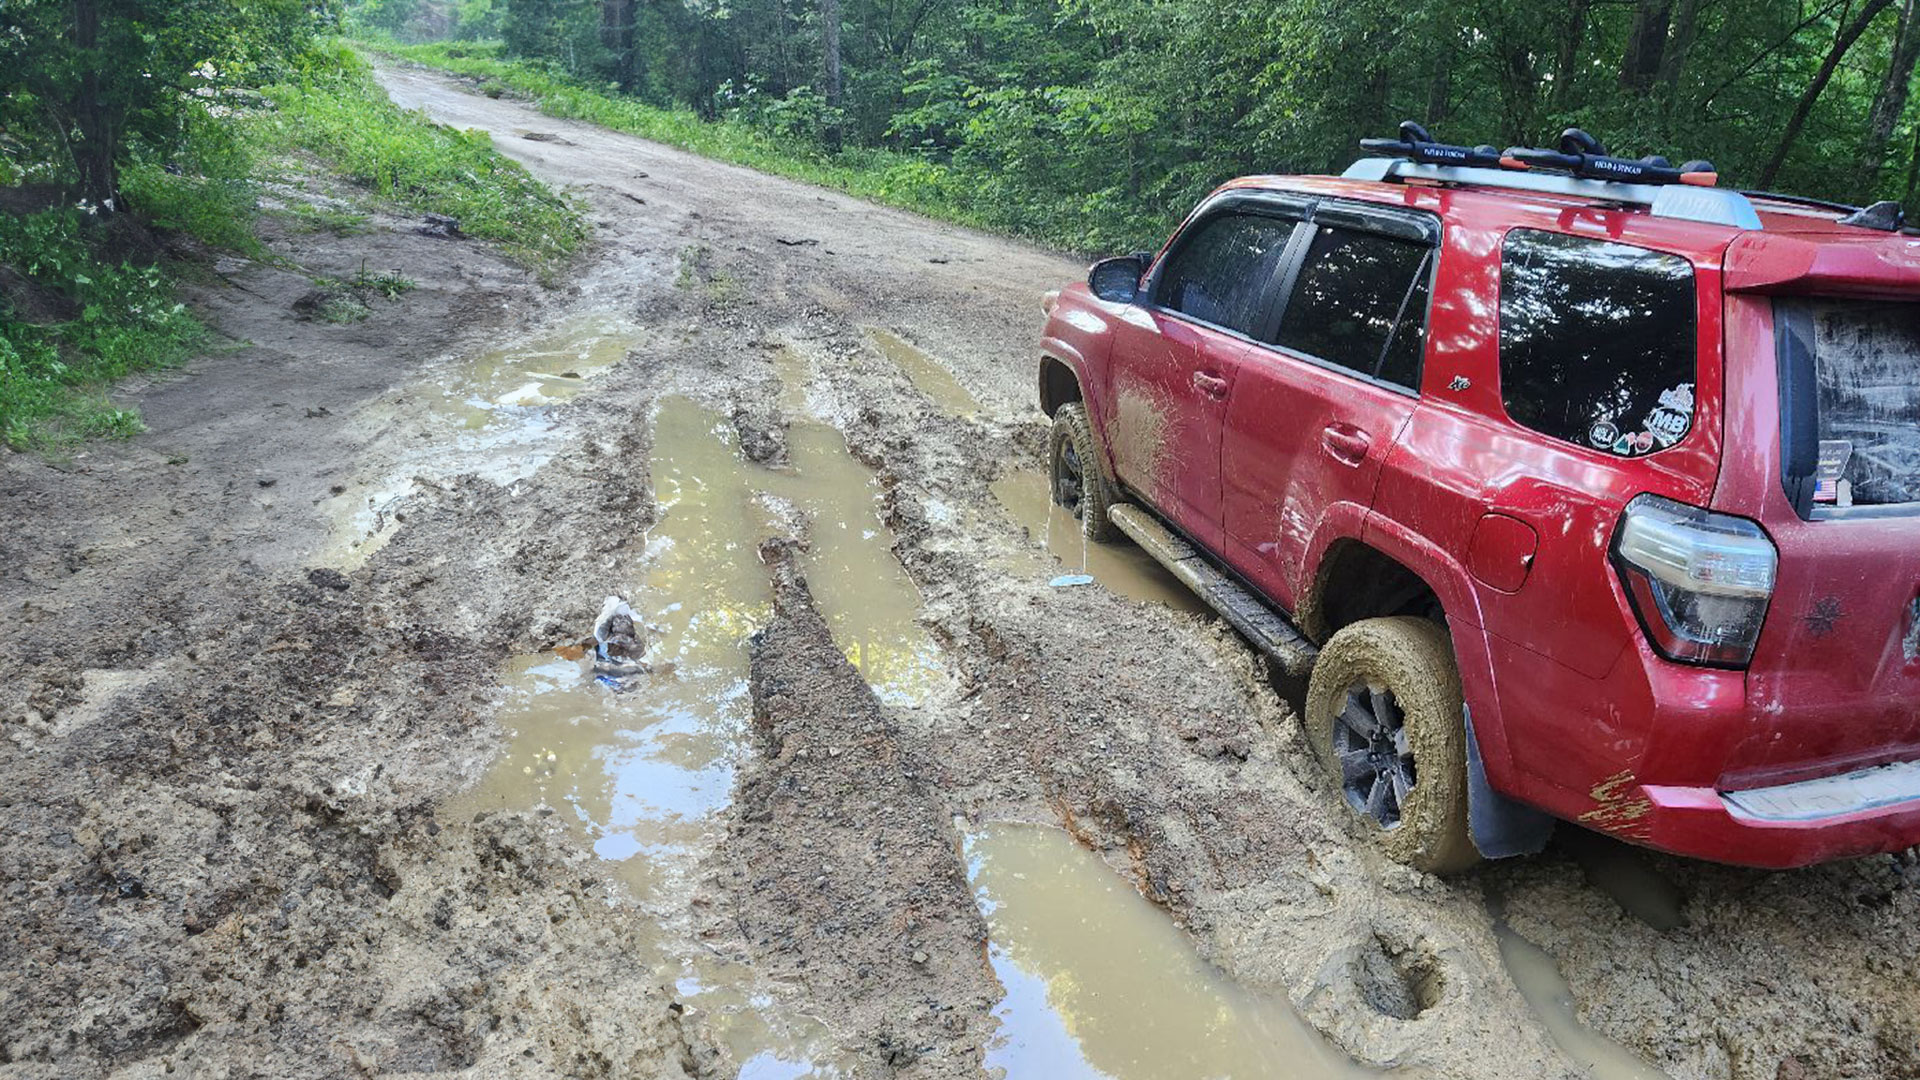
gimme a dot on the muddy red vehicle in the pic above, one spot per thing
(1573, 487)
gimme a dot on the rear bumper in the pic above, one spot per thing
(1787, 832)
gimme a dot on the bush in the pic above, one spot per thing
(53, 377)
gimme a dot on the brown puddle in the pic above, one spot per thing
(1101, 985)
(1121, 567)
(500, 384)
(640, 774)
(929, 375)
(1546, 991)
(497, 407)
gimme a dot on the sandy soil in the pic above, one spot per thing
(230, 751)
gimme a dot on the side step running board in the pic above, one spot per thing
(1270, 633)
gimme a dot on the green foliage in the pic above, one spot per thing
(52, 376)
(341, 114)
(95, 81)
(1097, 123)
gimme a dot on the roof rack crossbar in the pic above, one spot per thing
(1685, 202)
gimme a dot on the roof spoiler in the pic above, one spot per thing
(1778, 263)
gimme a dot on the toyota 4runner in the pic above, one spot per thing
(1572, 487)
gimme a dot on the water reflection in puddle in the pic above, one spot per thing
(1122, 567)
(927, 374)
(1541, 984)
(642, 772)
(860, 588)
(498, 385)
(1101, 984)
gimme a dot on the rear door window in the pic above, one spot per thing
(1360, 302)
(1597, 341)
(1223, 268)
(1866, 399)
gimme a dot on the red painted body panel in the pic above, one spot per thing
(1574, 711)
(1300, 439)
(1170, 381)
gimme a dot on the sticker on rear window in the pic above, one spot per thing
(1829, 485)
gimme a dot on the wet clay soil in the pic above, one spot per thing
(282, 805)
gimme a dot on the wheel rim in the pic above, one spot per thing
(1376, 759)
(1068, 478)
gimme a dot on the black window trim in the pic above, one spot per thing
(1430, 264)
(1311, 213)
(1286, 207)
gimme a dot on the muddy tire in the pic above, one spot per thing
(1384, 714)
(1079, 480)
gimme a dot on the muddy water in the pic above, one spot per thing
(1121, 567)
(495, 410)
(927, 374)
(1101, 984)
(1542, 985)
(499, 386)
(640, 774)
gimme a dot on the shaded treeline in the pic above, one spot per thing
(1066, 110)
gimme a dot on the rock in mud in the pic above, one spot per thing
(442, 226)
(841, 871)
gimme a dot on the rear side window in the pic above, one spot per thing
(1865, 400)
(1221, 271)
(1360, 302)
(1597, 341)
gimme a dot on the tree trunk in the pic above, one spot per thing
(1646, 44)
(617, 33)
(1440, 88)
(830, 58)
(1565, 61)
(1686, 27)
(1890, 102)
(1913, 168)
(1849, 34)
(96, 147)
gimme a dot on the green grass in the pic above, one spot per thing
(340, 114)
(54, 377)
(885, 176)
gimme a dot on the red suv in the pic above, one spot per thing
(1573, 487)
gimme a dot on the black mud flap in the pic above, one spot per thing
(1502, 827)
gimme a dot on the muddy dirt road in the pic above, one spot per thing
(306, 774)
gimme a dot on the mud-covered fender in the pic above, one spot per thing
(1502, 826)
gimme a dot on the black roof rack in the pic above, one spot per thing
(1580, 167)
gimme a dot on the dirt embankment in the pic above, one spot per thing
(229, 753)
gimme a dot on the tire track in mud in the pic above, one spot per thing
(839, 871)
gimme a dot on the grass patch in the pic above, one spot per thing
(124, 319)
(340, 114)
(885, 176)
(73, 320)
(313, 218)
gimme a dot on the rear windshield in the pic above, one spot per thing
(1866, 400)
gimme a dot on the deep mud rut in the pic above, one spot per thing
(280, 798)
